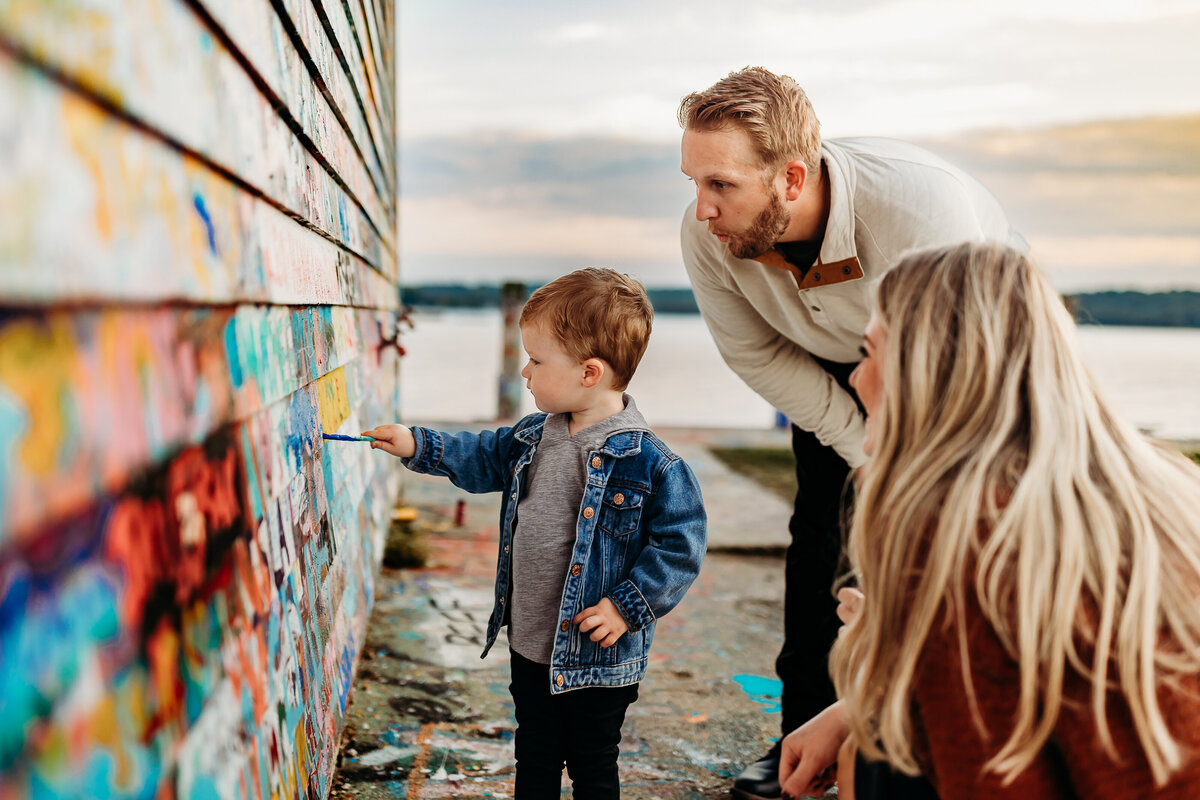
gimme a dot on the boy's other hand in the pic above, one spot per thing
(395, 439)
(604, 621)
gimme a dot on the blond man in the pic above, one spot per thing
(783, 246)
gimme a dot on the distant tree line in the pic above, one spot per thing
(1160, 310)
(1177, 309)
(449, 295)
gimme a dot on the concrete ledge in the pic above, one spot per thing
(742, 516)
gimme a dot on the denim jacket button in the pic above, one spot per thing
(589, 512)
(618, 498)
(559, 679)
(596, 462)
(574, 571)
(565, 624)
(506, 548)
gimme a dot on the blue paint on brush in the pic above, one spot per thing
(340, 438)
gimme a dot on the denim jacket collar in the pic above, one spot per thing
(623, 443)
(531, 433)
(618, 445)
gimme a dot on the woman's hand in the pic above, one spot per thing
(809, 759)
(850, 601)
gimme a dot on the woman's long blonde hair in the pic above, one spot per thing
(998, 469)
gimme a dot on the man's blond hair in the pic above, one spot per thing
(771, 108)
(595, 312)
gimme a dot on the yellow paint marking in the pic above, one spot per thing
(333, 399)
(36, 360)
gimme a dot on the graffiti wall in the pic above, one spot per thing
(198, 276)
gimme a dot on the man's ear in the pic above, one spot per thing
(593, 371)
(796, 174)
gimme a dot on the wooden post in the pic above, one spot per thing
(512, 297)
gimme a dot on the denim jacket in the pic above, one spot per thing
(640, 537)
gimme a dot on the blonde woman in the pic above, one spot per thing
(1029, 624)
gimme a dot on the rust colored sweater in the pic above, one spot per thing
(1073, 764)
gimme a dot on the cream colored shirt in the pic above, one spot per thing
(886, 198)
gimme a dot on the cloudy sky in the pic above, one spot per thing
(540, 135)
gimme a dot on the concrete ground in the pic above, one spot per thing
(429, 719)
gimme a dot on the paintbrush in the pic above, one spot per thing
(339, 437)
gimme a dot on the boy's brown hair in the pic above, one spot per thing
(595, 312)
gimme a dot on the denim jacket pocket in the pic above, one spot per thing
(628, 649)
(620, 511)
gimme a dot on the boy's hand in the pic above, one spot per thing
(395, 439)
(604, 621)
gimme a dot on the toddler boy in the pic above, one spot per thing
(602, 528)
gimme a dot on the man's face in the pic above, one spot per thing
(733, 196)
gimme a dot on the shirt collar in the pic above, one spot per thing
(838, 260)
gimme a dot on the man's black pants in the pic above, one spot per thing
(810, 622)
(580, 729)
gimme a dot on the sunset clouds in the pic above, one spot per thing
(540, 135)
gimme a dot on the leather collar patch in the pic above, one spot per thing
(819, 274)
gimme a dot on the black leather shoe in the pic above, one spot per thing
(760, 780)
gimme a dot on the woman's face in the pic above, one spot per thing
(867, 379)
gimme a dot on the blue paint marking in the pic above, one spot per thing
(304, 420)
(47, 650)
(198, 202)
(15, 423)
(205, 789)
(762, 690)
(231, 353)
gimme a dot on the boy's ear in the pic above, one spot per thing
(593, 371)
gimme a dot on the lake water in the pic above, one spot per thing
(1151, 375)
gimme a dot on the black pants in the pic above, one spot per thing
(875, 780)
(810, 622)
(580, 729)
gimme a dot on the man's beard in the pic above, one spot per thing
(764, 231)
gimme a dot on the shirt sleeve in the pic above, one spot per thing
(474, 462)
(776, 368)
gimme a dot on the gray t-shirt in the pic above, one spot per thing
(545, 532)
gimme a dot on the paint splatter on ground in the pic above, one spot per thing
(429, 719)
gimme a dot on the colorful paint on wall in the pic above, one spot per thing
(197, 277)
